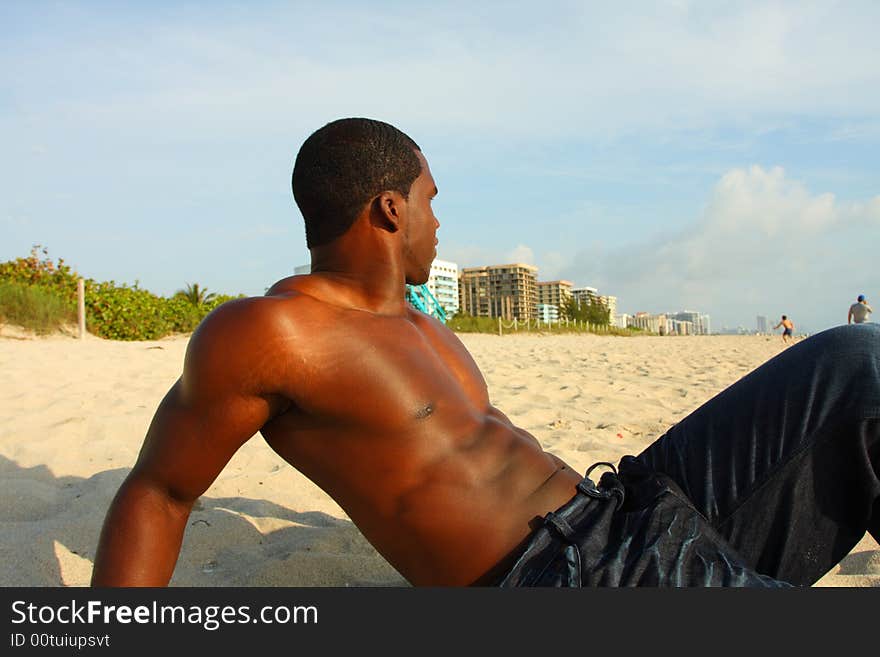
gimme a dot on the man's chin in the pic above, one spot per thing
(420, 279)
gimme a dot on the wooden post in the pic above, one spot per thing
(81, 307)
(499, 326)
(515, 327)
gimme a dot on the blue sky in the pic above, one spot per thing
(720, 157)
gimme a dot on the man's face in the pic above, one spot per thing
(420, 232)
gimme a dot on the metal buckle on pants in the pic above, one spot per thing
(589, 488)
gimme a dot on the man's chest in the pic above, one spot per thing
(384, 374)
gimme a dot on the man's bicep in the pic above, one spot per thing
(192, 437)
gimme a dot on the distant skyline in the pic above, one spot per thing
(677, 155)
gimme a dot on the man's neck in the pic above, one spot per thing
(377, 285)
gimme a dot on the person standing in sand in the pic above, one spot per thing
(859, 311)
(787, 330)
(770, 483)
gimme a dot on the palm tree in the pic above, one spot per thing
(196, 295)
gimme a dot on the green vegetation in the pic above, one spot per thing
(593, 317)
(462, 323)
(37, 309)
(40, 295)
(594, 312)
(197, 296)
(468, 324)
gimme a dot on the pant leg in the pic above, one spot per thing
(784, 464)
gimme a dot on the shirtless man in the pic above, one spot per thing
(859, 311)
(787, 328)
(384, 409)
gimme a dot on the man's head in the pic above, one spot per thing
(861, 298)
(343, 166)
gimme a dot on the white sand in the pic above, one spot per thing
(73, 415)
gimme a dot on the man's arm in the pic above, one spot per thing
(849, 316)
(214, 408)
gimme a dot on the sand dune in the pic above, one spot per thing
(73, 415)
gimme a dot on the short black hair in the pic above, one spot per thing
(343, 165)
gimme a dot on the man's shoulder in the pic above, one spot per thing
(244, 343)
(281, 311)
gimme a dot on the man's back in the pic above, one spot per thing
(859, 312)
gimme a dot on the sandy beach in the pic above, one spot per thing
(73, 414)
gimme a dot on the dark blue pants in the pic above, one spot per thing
(770, 483)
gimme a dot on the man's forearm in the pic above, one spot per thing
(141, 537)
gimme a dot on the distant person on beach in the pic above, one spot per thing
(859, 311)
(770, 483)
(787, 330)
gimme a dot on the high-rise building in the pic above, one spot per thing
(587, 295)
(700, 321)
(474, 291)
(554, 293)
(610, 303)
(443, 284)
(506, 291)
(762, 324)
(648, 322)
(584, 295)
(548, 313)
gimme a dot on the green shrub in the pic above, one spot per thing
(461, 323)
(125, 313)
(36, 288)
(36, 308)
(181, 315)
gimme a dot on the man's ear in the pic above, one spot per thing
(387, 211)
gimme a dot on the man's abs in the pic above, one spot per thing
(443, 507)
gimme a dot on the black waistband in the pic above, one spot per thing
(558, 528)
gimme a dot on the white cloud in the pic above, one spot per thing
(663, 68)
(521, 254)
(764, 241)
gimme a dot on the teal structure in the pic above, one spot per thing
(420, 297)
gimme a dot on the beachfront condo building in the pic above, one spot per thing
(699, 321)
(506, 291)
(679, 327)
(586, 295)
(610, 302)
(682, 323)
(648, 322)
(554, 294)
(547, 312)
(443, 284)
